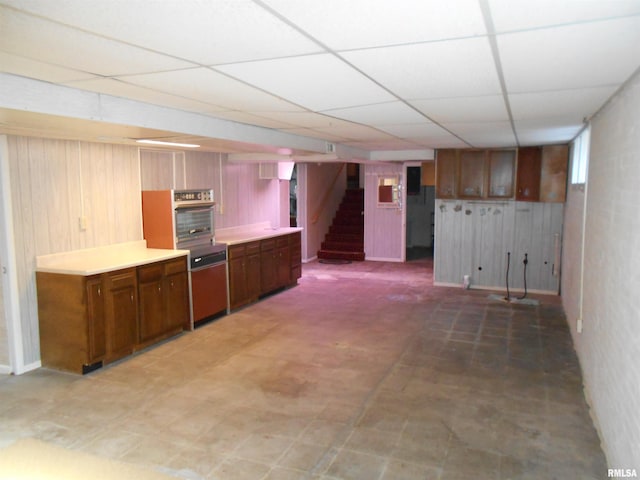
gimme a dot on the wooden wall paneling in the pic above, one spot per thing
(451, 243)
(553, 221)
(202, 171)
(156, 169)
(180, 171)
(490, 245)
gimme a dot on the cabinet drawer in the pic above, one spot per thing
(175, 266)
(236, 251)
(252, 248)
(149, 273)
(268, 244)
(122, 279)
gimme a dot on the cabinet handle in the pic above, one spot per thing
(159, 289)
(99, 291)
(132, 298)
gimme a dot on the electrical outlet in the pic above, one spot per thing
(82, 223)
(579, 325)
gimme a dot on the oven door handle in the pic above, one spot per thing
(211, 265)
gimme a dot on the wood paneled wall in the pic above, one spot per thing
(473, 238)
(53, 184)
(4, 336)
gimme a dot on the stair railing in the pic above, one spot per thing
(325, 198)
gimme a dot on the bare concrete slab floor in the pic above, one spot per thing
(362, 371)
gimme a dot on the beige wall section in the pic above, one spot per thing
(54, 183)
(4, 336)
(609, 345)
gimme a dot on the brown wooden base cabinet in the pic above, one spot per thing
(88, 321)
(263, 266)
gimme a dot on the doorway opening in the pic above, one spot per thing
(420, 208)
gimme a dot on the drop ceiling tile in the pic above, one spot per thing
(208, 32)
(525, 14)
(212, 87)
(373, 23)
(490, 108)
(414, 130)
(570, 104)
(392, 113)
(577, 56)
(489, 134)
(537, 132)
(355, 132)
(447, 141)
(456, 68)
(55, 44)
(316, 82)
(39, 70)
(122, 89)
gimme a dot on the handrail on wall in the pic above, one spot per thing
(325, 199)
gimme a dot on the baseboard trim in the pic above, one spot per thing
(5, 370)
(29, 367)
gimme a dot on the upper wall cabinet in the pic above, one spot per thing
(475, 174)
(541, 173)
(446, 173)
(502, 166)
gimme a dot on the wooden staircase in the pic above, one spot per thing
(345, 240)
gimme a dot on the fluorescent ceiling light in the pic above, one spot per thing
(168, 144)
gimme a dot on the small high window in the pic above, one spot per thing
(580, 157)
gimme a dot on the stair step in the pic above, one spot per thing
(348, 220)
(338, 255)
(345, 237)
(348, 229)
(342, 246)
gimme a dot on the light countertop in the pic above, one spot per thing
(250, 233)
(92, 261)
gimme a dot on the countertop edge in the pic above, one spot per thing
(143, 259)
(254, 235)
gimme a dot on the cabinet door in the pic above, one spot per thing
(268, 279)
(96, 320)
(446, 173)
(151, 312)
(176, 297)
(283, 262)
(121, 305)
(553, 175)
(528, 176)
(295, 256)
(501, 169)
(237, 281)
(253, 276)
(472, 174)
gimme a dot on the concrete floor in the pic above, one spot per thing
(362, 371)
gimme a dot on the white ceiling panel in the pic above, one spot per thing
(572, 104)
(459, 68)
(317, 82)
(540, 132)
(524, 14)
(577, 56)
(490, 108)
(476, 133)
(208, 32)
(212, 87)
(373, 74)
(391, 113)
(39, 70)
(356, 24)
(55, 44)
(418, 130)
